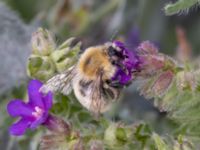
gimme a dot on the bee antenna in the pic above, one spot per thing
(114, 35)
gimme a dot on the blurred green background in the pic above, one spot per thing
(94, 22)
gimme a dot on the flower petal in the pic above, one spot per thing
(19, 108)
(39, 121)
(48, 100)
(123, 77)
(19, 127)
(35, 97)
(131, 63)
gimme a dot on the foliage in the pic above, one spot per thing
(180, 6)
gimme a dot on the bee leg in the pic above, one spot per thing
(120, 65)
(115, 84)
(129, 83)
(117, 63)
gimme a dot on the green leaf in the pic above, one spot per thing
(57, 108)
(121, 134)
(181, 5)
(84, 117)
(159, 142)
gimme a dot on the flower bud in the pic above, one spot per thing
(162, 83)
(186, 80)
(76, 144)
(41, 68)
(147, 47)
(65, 56)
(115, 136)
(183, 144)
(57, 125)
(110, 136)
(151, 64)
(96, 145)
(42, 42)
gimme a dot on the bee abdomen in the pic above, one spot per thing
(85, 84)
(83, 87)
(111, 93)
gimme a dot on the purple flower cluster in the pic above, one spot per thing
(130, 62)
(33, 113)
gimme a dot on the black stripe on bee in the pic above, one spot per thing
(82, 92)
(110, 92)
(84, 84)
(115, 84)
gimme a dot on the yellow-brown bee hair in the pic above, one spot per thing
(93, 60)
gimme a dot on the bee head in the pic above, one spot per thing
(125, 60)
(114, 52)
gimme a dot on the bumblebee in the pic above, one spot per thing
(91, 78)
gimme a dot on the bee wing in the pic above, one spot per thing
(97, 100)
(60, 83)
(101, 97)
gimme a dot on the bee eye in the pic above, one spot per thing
(113, 52)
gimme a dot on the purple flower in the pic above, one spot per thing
(33, 113)
(130, 62)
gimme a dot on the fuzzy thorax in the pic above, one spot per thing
(94, 60)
